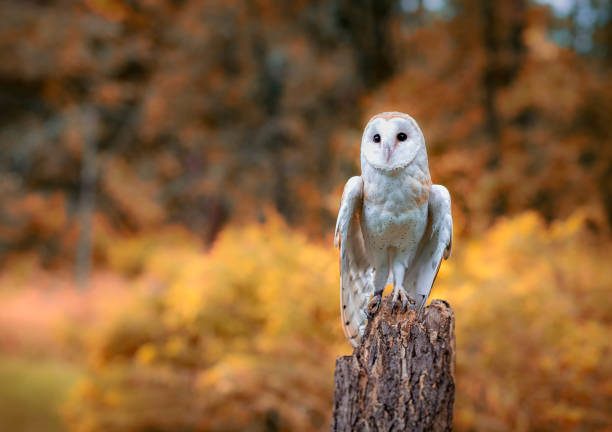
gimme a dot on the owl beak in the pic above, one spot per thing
(387, 151)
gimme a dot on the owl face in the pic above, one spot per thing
(391, 141)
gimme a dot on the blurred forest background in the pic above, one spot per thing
(169, 180)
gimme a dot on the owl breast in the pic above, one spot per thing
(394, 208)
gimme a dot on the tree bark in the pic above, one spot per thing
(402, 376)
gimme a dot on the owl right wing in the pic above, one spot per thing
(436, 245)
(355, 270)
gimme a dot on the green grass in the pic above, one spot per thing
(32, 392)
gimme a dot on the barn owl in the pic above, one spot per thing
(393, 226)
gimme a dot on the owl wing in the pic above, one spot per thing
(435, 245)
(355, 269)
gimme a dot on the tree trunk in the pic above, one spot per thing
(87, 198)
(402, 376)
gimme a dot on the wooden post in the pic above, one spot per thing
(402, 376)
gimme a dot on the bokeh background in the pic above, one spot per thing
(170, 173)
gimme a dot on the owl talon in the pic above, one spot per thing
(374, 306)
(400, 294)
(394, 300)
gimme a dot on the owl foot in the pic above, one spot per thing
(401, 294)
(374, 305)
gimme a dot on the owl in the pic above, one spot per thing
(393, 226)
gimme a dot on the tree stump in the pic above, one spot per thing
(402, 376)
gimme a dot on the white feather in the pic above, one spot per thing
(435, 245)
(355, 271)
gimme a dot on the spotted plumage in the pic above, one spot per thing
(393, 226)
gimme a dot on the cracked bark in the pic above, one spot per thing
(401, 377)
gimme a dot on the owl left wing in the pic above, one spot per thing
(355, 269)
(436, 244)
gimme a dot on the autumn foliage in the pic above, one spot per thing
(169, 180)
(246, 335)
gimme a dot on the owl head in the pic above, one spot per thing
(392, 140)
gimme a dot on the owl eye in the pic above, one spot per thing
(376, 138)
(401, 136)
